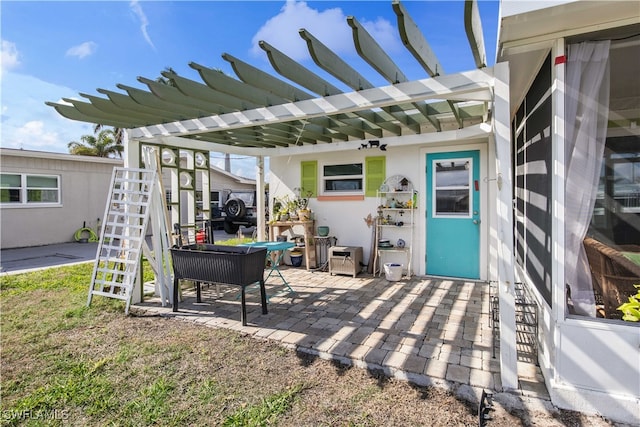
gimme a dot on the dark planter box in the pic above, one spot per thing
(231, 265)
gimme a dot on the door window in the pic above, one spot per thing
(452, 187)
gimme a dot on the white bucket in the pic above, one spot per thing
(393, 271)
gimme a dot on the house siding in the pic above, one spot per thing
(84, 185)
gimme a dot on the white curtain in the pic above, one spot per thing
(586, 115)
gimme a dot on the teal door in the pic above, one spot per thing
(453, 214)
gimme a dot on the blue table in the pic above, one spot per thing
(277, 248)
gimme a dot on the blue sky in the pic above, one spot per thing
(53, 50)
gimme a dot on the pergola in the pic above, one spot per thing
(220, 95)
(258, 114)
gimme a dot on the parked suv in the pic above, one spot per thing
(239, 209)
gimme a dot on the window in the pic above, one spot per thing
(216, 199)
(626, 181)
(344, 179)
(10, 188)
(452, 179)
(167, 198)
(216, 204)
(617, 206)
(22, 189)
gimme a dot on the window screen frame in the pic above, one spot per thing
(26, 192)
(324, 178)
(469, 187)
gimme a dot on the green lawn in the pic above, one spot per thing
(64, 363)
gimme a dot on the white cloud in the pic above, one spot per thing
(384, 33)
(9, 55)
(33, 134)
(281, 31)
(144, 22)
(329, 26)
(29, 124)
(82, 50)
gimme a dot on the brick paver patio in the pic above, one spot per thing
(429, 331)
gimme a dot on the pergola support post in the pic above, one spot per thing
(133, 160)
(504, 210)
(260, 199)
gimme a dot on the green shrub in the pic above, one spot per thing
(631, 309)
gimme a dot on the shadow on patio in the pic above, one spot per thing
(425, 330)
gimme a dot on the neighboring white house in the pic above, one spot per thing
(47, 197)
(514, 145)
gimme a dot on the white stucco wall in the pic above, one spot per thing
(84, 186)
(346, 219)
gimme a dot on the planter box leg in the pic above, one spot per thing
(176, 285)
(263, 297)
(243, 315)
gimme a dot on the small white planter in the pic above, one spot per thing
(393, 271)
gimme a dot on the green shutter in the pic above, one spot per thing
(309, 178)
(375, 174)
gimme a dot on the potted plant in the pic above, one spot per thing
(276, 210)
(292, 208)
(281, 208)
(296, 257)
(302, 204)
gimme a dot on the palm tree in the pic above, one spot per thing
(117, 133)
(104, 145)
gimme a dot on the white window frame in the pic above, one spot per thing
(220, 197)
(468, 187)
(324, 179)
(24, 190)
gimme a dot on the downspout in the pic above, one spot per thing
(504, 211)
(260, 199)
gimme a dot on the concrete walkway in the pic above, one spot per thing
(428, 331)
(18, 260)
(33, 258)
